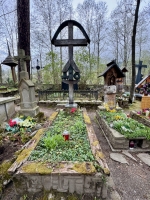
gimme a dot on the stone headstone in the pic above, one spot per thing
(28, 105)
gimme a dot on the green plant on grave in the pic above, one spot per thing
(128, 127)
(52, 147)
(54, 141)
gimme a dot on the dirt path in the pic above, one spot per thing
(131, 181)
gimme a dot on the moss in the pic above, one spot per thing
(38, 135)
(95, 143)
(3, 172)
(86, 118)
(53, 116)
(26, 152)
(36, 168)
(100, 154)
(106, 171)
(40, 117)
(85, 168)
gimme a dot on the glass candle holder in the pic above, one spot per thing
(131, 144)
(66, 135)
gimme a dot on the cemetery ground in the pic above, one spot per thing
(131, 180)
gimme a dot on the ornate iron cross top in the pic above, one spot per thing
(139, 75)
(71, 73)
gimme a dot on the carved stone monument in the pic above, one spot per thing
(28, 105)
(71, 73)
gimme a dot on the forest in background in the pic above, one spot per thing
(110, 36)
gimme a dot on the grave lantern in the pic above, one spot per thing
(10, 61)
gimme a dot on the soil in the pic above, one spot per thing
(131, 181)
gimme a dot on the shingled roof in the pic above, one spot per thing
(109, 66)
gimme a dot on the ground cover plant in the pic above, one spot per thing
(54, 148)
(128, 127)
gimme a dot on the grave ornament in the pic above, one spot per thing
(10, 61)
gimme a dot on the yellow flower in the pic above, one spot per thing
(117, 117)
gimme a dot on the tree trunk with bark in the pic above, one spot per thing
(132, 88)
(23, 15)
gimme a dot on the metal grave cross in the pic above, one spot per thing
(139, 75)
(71, 73)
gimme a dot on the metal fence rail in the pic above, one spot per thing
(63, 94)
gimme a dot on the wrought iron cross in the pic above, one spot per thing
(71, 73)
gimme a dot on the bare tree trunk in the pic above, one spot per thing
(133, 51)
(23, 15)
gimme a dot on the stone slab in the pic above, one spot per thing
(118, 157)
(29, 112)
(128, 155)
(7, 108)
(145, 157)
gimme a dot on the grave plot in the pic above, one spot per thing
(143, 118)
(66, 157)
(123, 132)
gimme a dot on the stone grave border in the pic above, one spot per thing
(7, 108)
(61, 179)
(117, 141)
(140, 119)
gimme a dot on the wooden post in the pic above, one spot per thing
(23, 18)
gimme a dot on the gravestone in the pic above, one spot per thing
(71, 73)
(28, 105)
(139, 75)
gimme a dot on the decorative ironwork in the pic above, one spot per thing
(71, 73)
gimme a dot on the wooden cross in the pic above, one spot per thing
(139, 75)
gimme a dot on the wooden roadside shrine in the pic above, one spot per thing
(113, 83)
